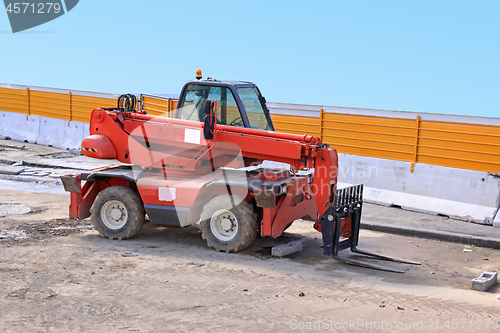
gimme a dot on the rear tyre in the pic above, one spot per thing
(227, 228)
(118, 213)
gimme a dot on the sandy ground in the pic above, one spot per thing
(57, 274)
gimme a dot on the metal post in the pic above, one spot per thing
(70, 108)
(28, 102)
(321, 124)
(416, 145)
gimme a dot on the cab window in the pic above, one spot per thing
(196, 97)
(253, 107)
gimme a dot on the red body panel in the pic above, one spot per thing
(158, 190)
(79, 207)
(297, 203)
(185, 163)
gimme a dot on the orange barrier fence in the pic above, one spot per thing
(158, 106)
(54, 103)
(464, 145)
(451, 144)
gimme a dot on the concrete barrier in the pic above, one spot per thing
(58, 133)
(463, 194)
(496, 220)
(19, 127)
(43, 130)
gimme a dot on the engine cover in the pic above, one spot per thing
(98, 146)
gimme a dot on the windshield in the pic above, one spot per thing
(196, 97)
(253, 107)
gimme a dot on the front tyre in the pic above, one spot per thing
(117, 213)
(226, 227)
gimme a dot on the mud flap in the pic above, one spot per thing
(349, 203)
(71, 184)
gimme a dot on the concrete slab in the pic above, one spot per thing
(14, 209)
(39, 156)
(11, 170)
(286, 249)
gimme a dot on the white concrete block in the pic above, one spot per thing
(43, 130)
(464, 194)
(58, 133)
(496, 220)
(11, 169)
(286, 249)
(484, 282)
(428, 204)
(19, 127)
(86, 129)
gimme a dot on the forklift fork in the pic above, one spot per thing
(349, 203)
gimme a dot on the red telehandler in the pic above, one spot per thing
(203, 166)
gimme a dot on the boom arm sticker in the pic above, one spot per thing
(25, 15)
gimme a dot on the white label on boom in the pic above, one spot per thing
(192, 136)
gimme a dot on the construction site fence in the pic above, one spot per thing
(73, 105)
(471, 143)
(462, 142)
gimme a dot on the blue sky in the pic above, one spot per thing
(424, 56)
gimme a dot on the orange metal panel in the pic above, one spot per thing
(157, 107)
(13, 94)
(296, 124)
(82, 106)
(367, 128)
(461, 127)
(460, 145)
(360, 151)
(464, 146)
(369, 144)
(486, 139)
(294, 119)
(457, 163)
(366, 136)
(49, 104)
(372, 120)
(302, 129)
(13, 91)
(460, 155)
(14, 100)
(21, 107)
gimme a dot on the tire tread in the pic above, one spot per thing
(248, 225)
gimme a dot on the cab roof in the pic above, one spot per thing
(211, 81)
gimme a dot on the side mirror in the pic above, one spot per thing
(210, 111)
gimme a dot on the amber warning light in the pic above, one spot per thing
(198, 74)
